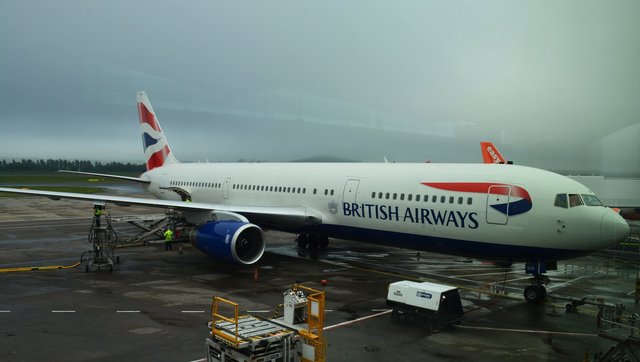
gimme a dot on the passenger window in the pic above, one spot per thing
(395, 196)
(442, 199)
(417, 197)
(451, 198)
(379, 195)
(574, 200)
(434, 198)
(409, 197)
(373, 195)
(460, 200)
(326, 192)
(331, 192)
(386, 196)
(469, 201)
(402, 197)
(561, 201)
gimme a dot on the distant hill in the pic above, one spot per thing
(325, 158)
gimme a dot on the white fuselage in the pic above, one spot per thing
(391, 204)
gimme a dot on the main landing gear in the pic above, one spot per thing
(312, 241)
(537, 292)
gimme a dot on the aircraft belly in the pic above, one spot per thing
(441, 244)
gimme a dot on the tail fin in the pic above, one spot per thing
(156, 148)
(490, 153)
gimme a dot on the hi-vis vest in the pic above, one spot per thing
(168, 235)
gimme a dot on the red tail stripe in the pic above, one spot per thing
(147, 117)
(157, 159)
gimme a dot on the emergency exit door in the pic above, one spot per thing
(498, 204)
(225, 188)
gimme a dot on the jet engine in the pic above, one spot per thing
(232, 241)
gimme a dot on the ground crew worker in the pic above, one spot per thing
(168, 237)
(97, 212)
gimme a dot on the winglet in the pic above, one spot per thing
(156, 148)
(490, 153)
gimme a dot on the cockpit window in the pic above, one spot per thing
(591, 200)
(561, 201)
(574, 200)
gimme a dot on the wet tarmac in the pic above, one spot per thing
(155, 304)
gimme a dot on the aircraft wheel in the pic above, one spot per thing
(314, 242)
(535, 293)
(303, 241)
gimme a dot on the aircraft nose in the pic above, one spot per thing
(613, 229)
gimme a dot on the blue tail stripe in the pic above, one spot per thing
(148, 140)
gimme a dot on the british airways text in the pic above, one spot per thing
(415, 215)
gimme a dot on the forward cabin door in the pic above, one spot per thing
(498, 204)
(350, 191)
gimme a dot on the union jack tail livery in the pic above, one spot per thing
(156, 147)
(490, 153)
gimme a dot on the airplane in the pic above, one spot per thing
(484, 211)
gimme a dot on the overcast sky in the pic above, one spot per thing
(555, 84)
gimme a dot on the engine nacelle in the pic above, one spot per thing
(232, 241)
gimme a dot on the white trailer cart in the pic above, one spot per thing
(436, 305)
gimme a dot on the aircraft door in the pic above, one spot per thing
(350, 190)
(225, 188)
(164, 184)
(498, 204)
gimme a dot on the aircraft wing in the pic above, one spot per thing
(106, 175)
(268, 215)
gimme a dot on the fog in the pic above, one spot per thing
(553, 84)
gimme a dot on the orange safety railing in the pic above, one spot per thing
(216, 317)
(315, 320)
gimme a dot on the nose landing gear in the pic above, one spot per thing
(537, 292)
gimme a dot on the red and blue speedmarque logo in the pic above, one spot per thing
(521, 204)
(158, 153)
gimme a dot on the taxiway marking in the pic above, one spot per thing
(356, 320)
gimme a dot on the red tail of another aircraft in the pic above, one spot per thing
(490, 153)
